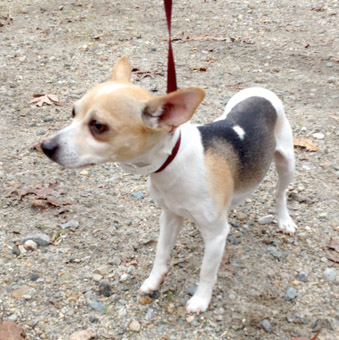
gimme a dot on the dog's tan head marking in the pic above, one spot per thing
(118, 121)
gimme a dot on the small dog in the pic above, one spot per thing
(196, 172)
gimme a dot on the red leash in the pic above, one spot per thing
(171, 77)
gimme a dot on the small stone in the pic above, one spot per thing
(105, 288)
(84, 173)
(40, 239)
(318, 135)
(280, 255)
(16, 250)
(138, 194)
(22, 249)
(122, 312)
(191, 291)
(86, 334)
(190, 318)
(291, 294)
(134, 326)
(30, 245)
(33, 277)
(302, 277)
(145, 300)
(241, 216)
(99, 307)
(18, 293)
(12, 317)
(124, 277)
(266, 325)
(27, 297)
(72, 224)
(103, 270)
(332, 80)
(233, 240)
(97, 277)
(171, 308)
(149, 315)
(266, 219)
(330, 274)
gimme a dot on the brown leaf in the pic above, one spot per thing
(48, 99)
(307, 143)
(225, 264)
(9, 330)
(314, 338)
(334, 258)
(334, 245)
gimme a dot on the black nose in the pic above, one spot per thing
(49, 147)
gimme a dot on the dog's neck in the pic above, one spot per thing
(154, 159)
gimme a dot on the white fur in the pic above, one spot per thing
(240, 131)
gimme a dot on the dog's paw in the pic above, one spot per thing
(287, 226)
(151, 284)
(197, 304)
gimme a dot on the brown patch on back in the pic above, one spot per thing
(220, 181)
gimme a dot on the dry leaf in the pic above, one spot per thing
(305, 143)
(9, 330)
(314, 338)
(225, 264)
(334, 245)
(42, 194)
(48, 99)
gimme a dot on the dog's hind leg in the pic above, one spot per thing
(170, 226)
(285, 164)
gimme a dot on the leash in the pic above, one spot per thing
(171, 76)
(171, 79)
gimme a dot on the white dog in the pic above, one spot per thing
(196, 172)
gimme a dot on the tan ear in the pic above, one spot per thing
(122, 70)
(171, 110)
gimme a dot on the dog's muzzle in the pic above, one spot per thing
(49, 147)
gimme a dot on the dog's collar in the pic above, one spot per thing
(148, 169)
(171, 156)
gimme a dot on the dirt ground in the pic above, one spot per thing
(271, 286)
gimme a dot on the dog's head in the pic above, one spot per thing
(118, 121)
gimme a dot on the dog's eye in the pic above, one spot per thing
(97, 127)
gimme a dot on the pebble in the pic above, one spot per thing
(266, 325)
(12, 317)
(266, 219)
(124, 277)
(97, 277)
(40, 239)
(86, 334)
(105, 288)
(138, 194)
(280, 255)
(171, 308)
(134, 326)
(302, 277)
(330, 274)
(30, 245)
(332, 80)
(318, 135)
(290, 294)
(33, 277)
(149, 315)
(191, 291)
(98, 307)
(72, 224)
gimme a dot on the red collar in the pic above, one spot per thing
(171, 156)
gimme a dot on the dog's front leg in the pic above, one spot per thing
(170, 226)
(214, 239)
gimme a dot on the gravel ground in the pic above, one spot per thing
(103, 225)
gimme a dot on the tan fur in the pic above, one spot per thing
(122, 70)
(220, 181)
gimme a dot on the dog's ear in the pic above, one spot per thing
(171, 110)
(122, 70)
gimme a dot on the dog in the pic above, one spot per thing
(196, 172)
